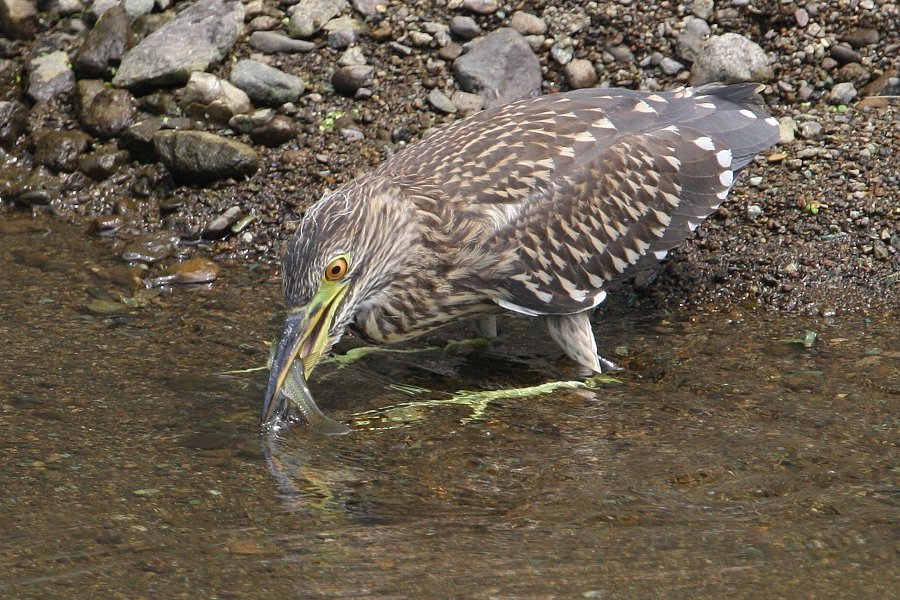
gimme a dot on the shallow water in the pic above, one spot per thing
(729, 461)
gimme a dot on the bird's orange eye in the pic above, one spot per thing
(336, 269)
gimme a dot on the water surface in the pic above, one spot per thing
(730, 461)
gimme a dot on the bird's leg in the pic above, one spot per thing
(574, 335)
(486, 327)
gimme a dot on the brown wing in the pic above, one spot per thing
(579, 187)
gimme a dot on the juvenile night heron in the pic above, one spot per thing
(532, 207)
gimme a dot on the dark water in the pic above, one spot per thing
(730, 461)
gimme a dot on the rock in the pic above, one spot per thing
(13, 122)
(151, 248)
(59, 150)
(441, 102)
(310, 15)
(731, 58)
(213, 98)
(464, 27)
(218, 226)
(193, 270)
(98, 7)
(670, 66)
(580, 73)
(38, 188)
(341, 38)
(277, 131)
(137, 8)
(689, 44)
(265, 84)
(102, 162)
(528, 24)
(845, 54)
(199, 155)
(352, 56)
(811, 129)
(51, 76)
(622, 54)
(368, 8)
(450, 52)
(347, 80)
(563, 51)
(103, 46)
(702, 9)
(200, 35)
(137, 139)
(481, 7)
(351, 135)
(109, 112)
(467, 103)
(842, 93)
(273, 43)
(18, 18)
(859, 38)
(855, 73)
(787, 128)
(500, 67)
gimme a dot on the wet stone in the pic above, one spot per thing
(215, 99)
(13, 122)
(219, 226)
(137, 138)
(109, 112)
(194, 155)
(277, 131)
(845, 54)
(51, 76)
(107, 224)
(38, 188)
(310, 16)
(104, 45)
(19, 18)
(859, 38)
(103, 162)
(59, 150)
(194, 270)
(151, 248)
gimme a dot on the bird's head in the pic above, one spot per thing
(345, 252)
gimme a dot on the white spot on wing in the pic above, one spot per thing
(772, 121)
(643, 107)
(724, 157)
(660, 254)
(676, 164)
(726, 178)
(748, 113)
(705, 143)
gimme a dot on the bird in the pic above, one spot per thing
(533, 207)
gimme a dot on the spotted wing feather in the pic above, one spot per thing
(583, 186)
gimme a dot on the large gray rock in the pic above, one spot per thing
(18, 18)
(265, 84)
(198, 155)
(200, 35)
(500, 67)
(51, 76)
(104, 45)
(730, 58)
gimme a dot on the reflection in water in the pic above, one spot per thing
(738, 452)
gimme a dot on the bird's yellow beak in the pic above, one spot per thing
(305, 337)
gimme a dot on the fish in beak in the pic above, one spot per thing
(302, 343)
